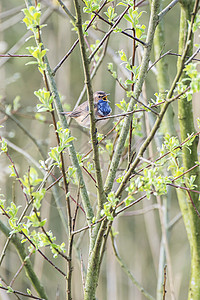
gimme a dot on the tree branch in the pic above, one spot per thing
(23, 256)
(100, 191)
(167, 9)
(137, 90)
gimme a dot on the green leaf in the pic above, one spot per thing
(28, 291)
(55, 155)
(16, 103)
(126, 17)
(121, 3)
(122, 55)
(46, 100)
(128, 81)
(13, 173)
(10, 289)
(4, 147)
(12, 210)
(33, 62)
(32, 17)
(38, 197)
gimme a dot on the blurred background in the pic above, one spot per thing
(139, 232)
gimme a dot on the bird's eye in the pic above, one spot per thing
(99, 96)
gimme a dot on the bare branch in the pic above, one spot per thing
(167, 9)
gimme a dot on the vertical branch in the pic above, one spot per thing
(189, 10)
(164, 283)
(71, 149)
(39, 42)
(70, 246)
(132, 88)
(85, 60)
(168, 127)
(70, 242)
(165, 241)
(138, 87)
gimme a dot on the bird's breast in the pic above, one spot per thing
(103, 108)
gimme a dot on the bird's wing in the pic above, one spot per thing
(79, 110)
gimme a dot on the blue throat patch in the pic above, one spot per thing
(103, 108)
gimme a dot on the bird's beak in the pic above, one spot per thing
(105, 98)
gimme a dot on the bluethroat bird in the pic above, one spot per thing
(101, 108)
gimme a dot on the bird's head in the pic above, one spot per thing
(100, 95)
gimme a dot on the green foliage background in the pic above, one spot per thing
(139, 232)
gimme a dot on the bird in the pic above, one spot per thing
(101, 108)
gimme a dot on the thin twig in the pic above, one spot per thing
(155, 127)
(123, 32)
(138, 86)
(139, 110)
(31, 242)
(108, 33)
(157, 60)
(21, 293)
(193, 204)
(164, 282)
(133, 203)
(85, 62)
(193, 56)
(132, 89)
(167, 153)
(20, 269)
(24, 153)
(167, 9)
(44, 256)
(98, 64)
(15, 55)
(39, 42)
(66, 10)
(176, 54)
(22, 40)
(166, 246)
(17, 174)
(76, 42)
